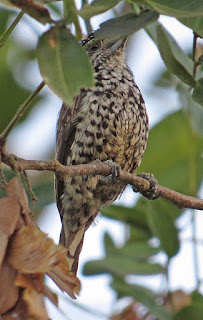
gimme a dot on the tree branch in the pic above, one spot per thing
(99, 168)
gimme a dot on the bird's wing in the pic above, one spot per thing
(66, 128)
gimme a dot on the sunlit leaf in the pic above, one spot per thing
(63, 63)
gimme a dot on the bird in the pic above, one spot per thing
(108, 122)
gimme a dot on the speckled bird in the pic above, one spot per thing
(108, 122)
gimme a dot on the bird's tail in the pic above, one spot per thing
(73, 241)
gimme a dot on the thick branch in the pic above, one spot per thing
(99, 168)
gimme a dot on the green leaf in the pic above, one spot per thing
(163, 227)
(143, 295)
(44, 192)
(174, 58)
(138, 250)
(173, 155)
(130, 259)
(195, 23)
(117, 28)
(96, 7)
(11, 93)
(193, 110)
(198, 92)
(129, 215)
(121, 266)
(191, 312)
(196, 297)
(63, 63)
(180, 8)
(173, 150)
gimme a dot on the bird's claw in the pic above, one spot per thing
(152, 192)
(115, 171)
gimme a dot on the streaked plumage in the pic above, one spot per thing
(107, 122)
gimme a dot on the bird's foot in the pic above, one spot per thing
(152, 192)
(115, 171)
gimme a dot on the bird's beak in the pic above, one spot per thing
(118, 44)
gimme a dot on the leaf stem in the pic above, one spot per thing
(194, 54)
(87, 21)
(19, 113)
(70, 15)
(7, 33)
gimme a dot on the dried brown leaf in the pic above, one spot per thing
(19, 312)
(3, 247)
(8, 291)
(30, 251)
(128, 313)
(16, 190)
(9, 215)
(51, 295)
(33, 294)
(34, 9)
(30, 281)
(177, 300)
(35, 304)
(65, 279)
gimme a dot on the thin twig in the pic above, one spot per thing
(194, 54)
(99, 168)
(19, 113)
(34, 198)
(7, 33)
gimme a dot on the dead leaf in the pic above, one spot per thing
(34, 9)
(30, 281)
(33, 294)
(176, 300)
(128, 313)
(9, 215)
(16, 190)
(8, 292)
(35, 303)
(30, 251)
(51, 295)
(65, 279)
(19, 312)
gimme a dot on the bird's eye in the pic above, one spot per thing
(95, 47)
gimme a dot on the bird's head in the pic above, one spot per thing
(101, 48)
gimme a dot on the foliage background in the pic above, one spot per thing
(150, 234)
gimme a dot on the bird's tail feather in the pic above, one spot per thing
(73, 241)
